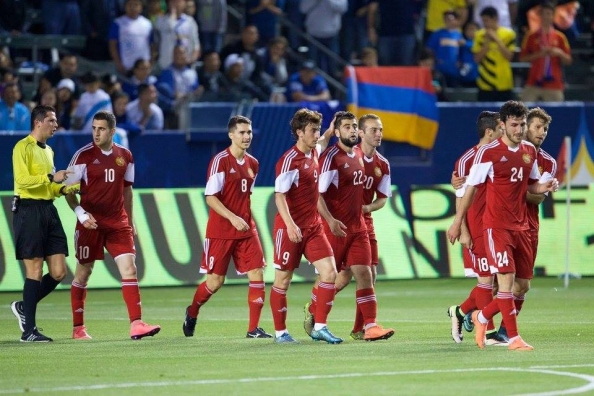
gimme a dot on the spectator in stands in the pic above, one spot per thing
(91, 101)
(191, 9)
(5, 60)
(236, 86)
(353, 38)
(67, 68)
(253, 64)
(154, 10)
(445, 44)
(323, 20)
(61, 17)
(275, 64)
(176, 28)
(427, 59)
(66, 104)
(177, 85)
(395, 36)
(49, 98)
(264, 15)
(210, 77)
(110, 83)
(97, 17)
(548, 51)
(294, 16)
(307, 85)
(14, 116)
(13, 16)
(141, 74)
(144, 111)
(435, 10)
(212, 23)
(506, 9)
(468, 66)
(493, 50)
(368, 57)
(130, 37)
(7, 76)
(119, 101)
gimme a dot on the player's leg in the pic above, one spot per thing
(326, 268)
(249, 259)
(78, 295)
(215, 262)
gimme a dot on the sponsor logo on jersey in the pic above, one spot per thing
(96, 162)
(503, 159)
(306, 166)
(120, 161)
(232, 170)
(346, 165)
(527, 158)
(377, 171)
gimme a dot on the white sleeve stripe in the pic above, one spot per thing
(328, 159)
(468, 156)
(215, 162)
(479, 155)
(78, 153)
(287, 161)
(553, 161)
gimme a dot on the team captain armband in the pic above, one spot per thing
(81, 214)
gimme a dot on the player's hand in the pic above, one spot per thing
(337, 228)
(90, 223)
(294, 233)
(457, 181)
(465, 240)
(240, 224)
(365, 209)
(553, 185)
(61, 176)
(454, 233)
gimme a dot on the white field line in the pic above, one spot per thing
(589, 386)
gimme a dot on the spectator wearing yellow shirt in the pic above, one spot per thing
(435, 10)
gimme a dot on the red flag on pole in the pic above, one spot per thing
(562, 165)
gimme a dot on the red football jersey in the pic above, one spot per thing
(342, 180)
(103, 176)
(377, 180)
(474, 216)
(297, 177)
(546, 166)
(539, 67)
(507, 173)
(231, 181)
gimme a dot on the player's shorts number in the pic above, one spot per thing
(211, 262)
(83, 252)
(286, 256)
(502, 260)
(483, 264)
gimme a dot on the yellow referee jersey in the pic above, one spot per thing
(31, 164)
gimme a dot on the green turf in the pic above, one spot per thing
(421, 359)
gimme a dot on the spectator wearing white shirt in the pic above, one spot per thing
(91, 101)
(144, 111)
(176, 28)
(130, 37)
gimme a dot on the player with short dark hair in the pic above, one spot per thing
(508, 167)
(231, 230)
(105, 171)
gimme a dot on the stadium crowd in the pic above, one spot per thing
(188, 50)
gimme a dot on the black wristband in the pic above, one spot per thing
(62, 190)
(50, 177)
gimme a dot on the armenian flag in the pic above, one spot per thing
(403, 97)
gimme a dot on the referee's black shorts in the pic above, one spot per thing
(38, 231)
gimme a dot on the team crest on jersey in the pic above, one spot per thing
(527, 158)
(377, 171)
(251, 172)
(120, 161)
(361, 161)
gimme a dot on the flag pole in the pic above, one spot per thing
(567, 172)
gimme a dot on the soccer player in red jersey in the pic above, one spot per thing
(298, 228)
(474, 253)
(508, 167)
(105, 171)
(231, 230)
(343, 175)
(377, 189)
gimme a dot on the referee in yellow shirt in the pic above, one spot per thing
(38, 231)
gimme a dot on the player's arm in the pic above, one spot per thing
(455, 229)
(324, 140)
(293, 230)
(23, 179)
(465, 237)
(546, 182)
(457, 181)
(129, 204)
(215, 204)
(85, 218)
(336, 226)
(535, 199)
(377, 204)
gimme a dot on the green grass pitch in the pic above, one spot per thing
(421, 358)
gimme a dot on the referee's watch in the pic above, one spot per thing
(50, 177)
